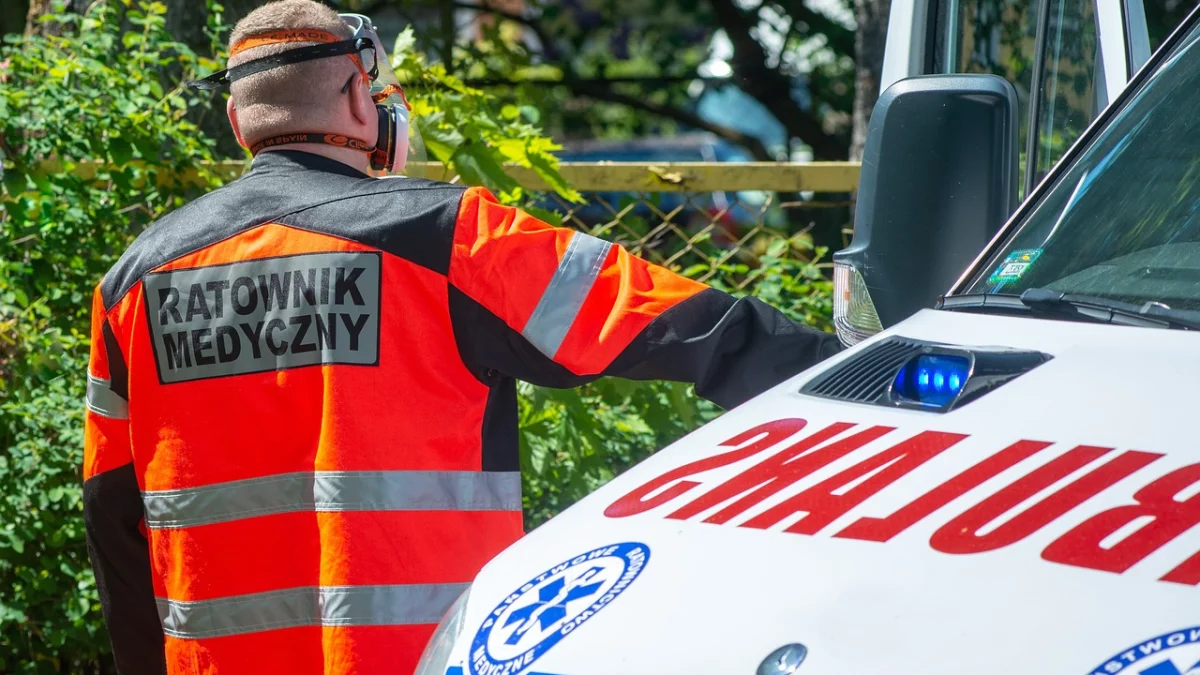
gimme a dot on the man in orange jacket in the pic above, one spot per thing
(301, 437)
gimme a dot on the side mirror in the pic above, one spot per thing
(939, 179)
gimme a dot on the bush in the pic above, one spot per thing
(95, 92)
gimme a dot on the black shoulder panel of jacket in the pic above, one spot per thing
(487, 344)
(407, 217)
(118, 371)
(497, 356)
(112, 512)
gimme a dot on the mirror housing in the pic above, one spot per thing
(939, 179)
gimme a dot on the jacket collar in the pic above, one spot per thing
(298, 160)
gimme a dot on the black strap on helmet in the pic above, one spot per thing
(290, 57)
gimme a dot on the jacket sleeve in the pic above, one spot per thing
(112, 510)
(559, 308)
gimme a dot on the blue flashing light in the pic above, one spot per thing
(938, 380)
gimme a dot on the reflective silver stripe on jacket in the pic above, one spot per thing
(564, 295)
(334, 491)
(399, 605)
(103, 401)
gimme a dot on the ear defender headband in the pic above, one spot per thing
(361, 51)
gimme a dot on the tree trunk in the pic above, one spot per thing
(38, 8)
(186, 21)
(13, 14)
(872, 19)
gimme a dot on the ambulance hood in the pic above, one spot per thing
(1048, 527)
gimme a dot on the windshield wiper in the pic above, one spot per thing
(1109, 310)
(1079, 307)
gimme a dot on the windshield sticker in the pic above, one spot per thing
(1175, 653)
(1014, 267)
(774, 477)
(536, 616)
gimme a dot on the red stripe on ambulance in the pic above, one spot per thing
(834, 497)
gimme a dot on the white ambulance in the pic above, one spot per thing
(1002, 480)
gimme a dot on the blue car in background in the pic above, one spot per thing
(733, 212)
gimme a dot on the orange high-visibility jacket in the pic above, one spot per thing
(301, 437)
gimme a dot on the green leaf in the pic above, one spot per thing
(548, 172)
(550, 217)
(42, 182)
(512, 150)
(405, 43)
(777, 248)
(537, 460)
(147, 147)
(120, 151)
(531, 113)
(441, 141)
(477, 166)
(14, 183)
(510, 112)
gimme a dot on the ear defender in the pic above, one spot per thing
(384, 153)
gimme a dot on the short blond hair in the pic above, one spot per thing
(292, 98)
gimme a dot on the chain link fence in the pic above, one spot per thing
(713, 222)
(699, 234)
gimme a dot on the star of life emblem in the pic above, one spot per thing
(1174, 653)
(547, 608)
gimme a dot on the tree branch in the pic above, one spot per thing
(771, 87)
(538, 29)
(647, 80)
(841, 39)
(599, 92)
(596, 90)
(448, 35)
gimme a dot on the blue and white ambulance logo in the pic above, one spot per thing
(533, 618)
(1175, 653)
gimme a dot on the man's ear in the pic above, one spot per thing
(362, 108)
(231, 111)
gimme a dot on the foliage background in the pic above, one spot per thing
(104, 85)
(98, 91)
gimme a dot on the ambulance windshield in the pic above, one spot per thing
(1123, 222)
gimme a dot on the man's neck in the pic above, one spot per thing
(352, 158)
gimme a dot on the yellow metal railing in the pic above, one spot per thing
(820, 177)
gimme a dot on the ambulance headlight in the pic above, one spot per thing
(436, 657)
(854, 315)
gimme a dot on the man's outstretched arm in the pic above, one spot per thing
(558, 308)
